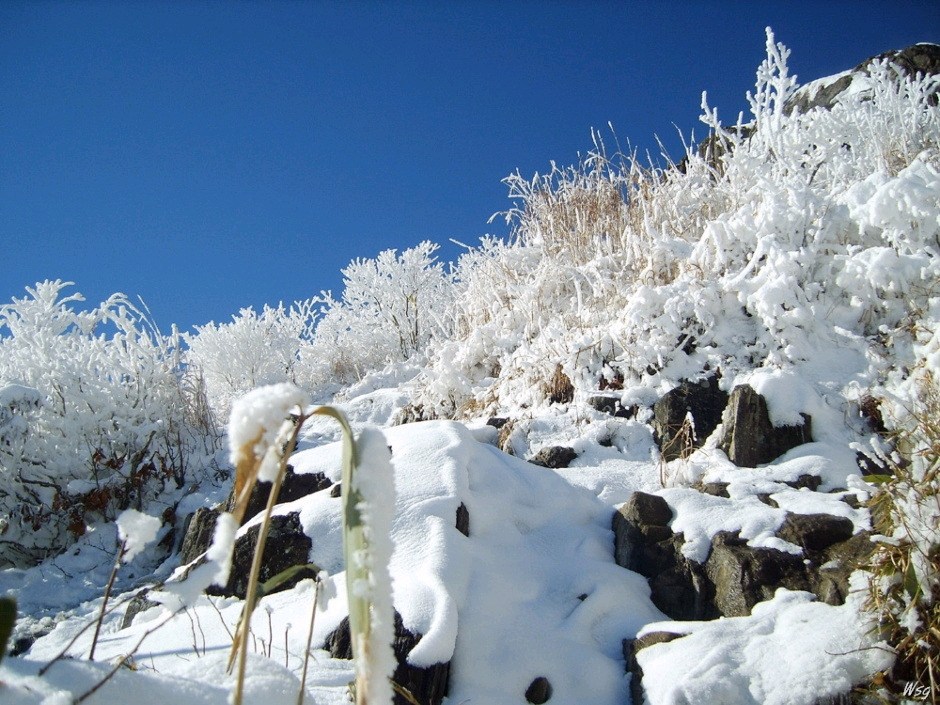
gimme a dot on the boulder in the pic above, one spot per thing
(293, 486)
(539, 691)
(426, 684)
(611, 405)
(197, 534)
(554, 457)
(815, 532)
(286, 546)
(743, 575)
(631, 647)
(749, 438)
(703, 401)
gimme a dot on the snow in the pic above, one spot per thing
(789, 650)
(136, 530)
(802, 268)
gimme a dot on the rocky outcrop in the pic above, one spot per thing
(293, 487)
(286, 546)
(824, 93)
(674, 432)
(554, 457)
(749, 438)
(735, 576)
(425, 684)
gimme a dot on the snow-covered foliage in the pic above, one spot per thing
(96, 417)
(793, 233)
(392, 307)
(254, 350)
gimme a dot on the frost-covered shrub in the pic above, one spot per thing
(95, 416)
(254, 349)
(790, 233)
(392, 307)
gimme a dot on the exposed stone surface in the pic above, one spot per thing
(742, 575)
(704, 401)
(427, 685)
(735, 576)
(137, 604)
(631, 647)
(815, 532)
(463, 519)
(286, 546)
(748, 436)
(918, 58)
(197, 534)
(611, 405)
(554, 457)
(497, 422)
(539, 691)
(293, 486)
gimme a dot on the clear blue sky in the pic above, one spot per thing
(209, 156)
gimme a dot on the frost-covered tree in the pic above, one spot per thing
(252, 350)
(392, 307)
(96, 415)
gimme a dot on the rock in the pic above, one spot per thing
(611, 405)
(815, 532)
(497, 422)
(539, 691)
(631, 647)
(554, 457)
(743, 575)
(830, 581)
(137, 604)
(716, 489)
(704, 401)
(463, 519)
(749, 438)
(427, 685)
(919, 58)
(197, 534)
(286, 546)
(294, 486)
(642, 521)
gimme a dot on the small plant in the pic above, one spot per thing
(263, 432)
(904, 587)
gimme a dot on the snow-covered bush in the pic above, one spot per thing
(791, 233)
(392, 307)
(95, 416)
(254, 349)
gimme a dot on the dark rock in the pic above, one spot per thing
(427, 685)
(293, 487)
(815, 532)
(554, 457)
(638, 525)
(612, 406)
(716, 489)
(830, 581)
(749, 438)
(539, 691)
(197, 534)
(743, 575)
(137, 604)
(631, 647)
(463, 519)
(336, 490)
(918, 58)
(704, 401)
(286, 546)
(809, 482)
(496, 422)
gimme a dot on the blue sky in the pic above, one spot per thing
(209, 156)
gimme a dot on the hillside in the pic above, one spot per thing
(674, 440)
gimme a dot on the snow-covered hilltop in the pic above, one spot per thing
(675, 440)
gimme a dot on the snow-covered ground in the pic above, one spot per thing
(804, 263)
